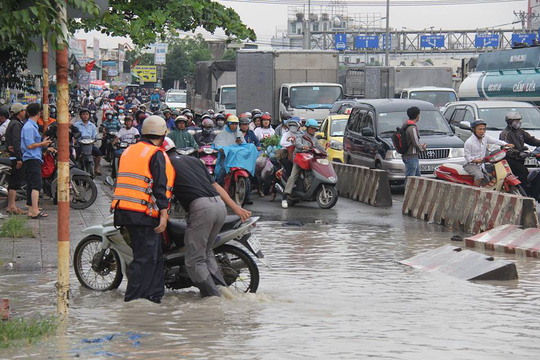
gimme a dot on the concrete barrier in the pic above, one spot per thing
(466, 208)
(369, 186)
(510, 239)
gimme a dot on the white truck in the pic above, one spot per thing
(215, 87)
(428, 83)
(299, 83)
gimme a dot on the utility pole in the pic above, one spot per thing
(307, 29)
(62, 285)
(387, 35)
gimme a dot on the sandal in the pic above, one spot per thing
(97, 172)
(40, 215)
(16, 212)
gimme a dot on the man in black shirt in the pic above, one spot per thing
(13, 144)
(203, 199)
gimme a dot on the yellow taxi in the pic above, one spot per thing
(330, 136)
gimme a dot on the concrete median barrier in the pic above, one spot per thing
(510, 239)
(369, 186)
(466, 208)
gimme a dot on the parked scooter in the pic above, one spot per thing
(323, 180)
(495, 164)
(208, 156)
(102, 257)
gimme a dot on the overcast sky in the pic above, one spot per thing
(264, 18)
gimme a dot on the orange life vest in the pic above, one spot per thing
(134, 181)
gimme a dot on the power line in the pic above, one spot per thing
(377, 2)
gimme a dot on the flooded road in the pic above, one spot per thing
(332, 292)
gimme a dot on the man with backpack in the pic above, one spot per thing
(410, 141)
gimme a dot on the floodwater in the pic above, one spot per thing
(332, 292)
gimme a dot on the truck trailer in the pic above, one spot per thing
(215, 87)
(288, 83)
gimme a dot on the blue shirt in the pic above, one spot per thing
(87, 131)
(30, 135)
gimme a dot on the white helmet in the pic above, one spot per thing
(154, 125)
(168, 144)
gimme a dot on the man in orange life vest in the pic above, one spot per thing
(141, 202)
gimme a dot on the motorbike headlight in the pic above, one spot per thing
(323, 161)
(208, 150)
(456, 152)
(86, 141)
(392, 154)
(336, 145)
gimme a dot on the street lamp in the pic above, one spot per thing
(386, 43)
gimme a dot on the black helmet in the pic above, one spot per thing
(83, 110)
(244, 120)
(476, 123)
(219, 116)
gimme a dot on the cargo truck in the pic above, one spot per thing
(428, 83)
(215, 87)
(299, 83)
(505, 75)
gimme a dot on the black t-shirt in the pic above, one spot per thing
(192, 180)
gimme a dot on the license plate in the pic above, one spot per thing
(254, 243)
(427, 168)
(531, 162)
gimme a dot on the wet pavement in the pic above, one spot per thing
(334, 290)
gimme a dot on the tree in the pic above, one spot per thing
(230, 54)
(182, 56)
(144, 58)
(146, 21)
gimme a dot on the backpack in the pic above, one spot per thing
(400, 139)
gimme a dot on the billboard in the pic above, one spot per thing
(146, 73)
(96, 51)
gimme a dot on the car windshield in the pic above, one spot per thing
(315, 97)
(337, 127)
(228, 97)
(496, 117)
(431, 123)
(176, 98)
(437, 98)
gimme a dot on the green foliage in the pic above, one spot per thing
(16, 227)
(12, 64)
(25, 331)
(182, 56)
(271, 141)
(144, 58)
(230, 54)
(148, 21)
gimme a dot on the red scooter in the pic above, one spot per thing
(495, 164)
(208, 157)
(237, 185)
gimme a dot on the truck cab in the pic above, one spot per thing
(308, 100)
(225, 99)
(438, 96)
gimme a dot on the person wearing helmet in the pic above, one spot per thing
(230, 135)
(255, 121)
(92, 104)
(190, 126)
(249, 135)
(140, 203)
(167, 113)
(111, 124)
(265, 130)
(207, 135)
(89, 131)
(282, 128)
(304, 143)
(181, 137)
(219, 120)
(256, 112)
(204, 202)
(128, 134)
(514, 134)
(475, 151)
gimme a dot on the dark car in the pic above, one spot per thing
(367, 140)
(341, 106)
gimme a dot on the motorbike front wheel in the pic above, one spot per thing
(238, 268)
(83, 192)
(327, 196)
(518, 190)
(96, 269)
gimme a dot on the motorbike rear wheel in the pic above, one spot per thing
(83, 192)
(241, 189)
(92, 272)
(518, 190)
(238, 268)
(327, 196)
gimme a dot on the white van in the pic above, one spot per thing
(176, 99)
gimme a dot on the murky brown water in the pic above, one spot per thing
(333, 292)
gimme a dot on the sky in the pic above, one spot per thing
(265, 18)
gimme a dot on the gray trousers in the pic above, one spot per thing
(205, 218)
(292, 179)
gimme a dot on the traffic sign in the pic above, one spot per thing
(383, 46)
(523, 38)
(341, 41)
(485, 40)
(366, 42)
(432, 41)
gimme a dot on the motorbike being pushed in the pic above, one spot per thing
(317, 181)
(103, 256)
(495, 165)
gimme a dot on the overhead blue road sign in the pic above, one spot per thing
(366, 42)
(482, 41)
(383, 37)
(523, 38)
(432, 41)
(341, 41)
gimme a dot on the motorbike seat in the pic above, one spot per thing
(176, 230)
(230, 222)
(454, 168)
(5, 161)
